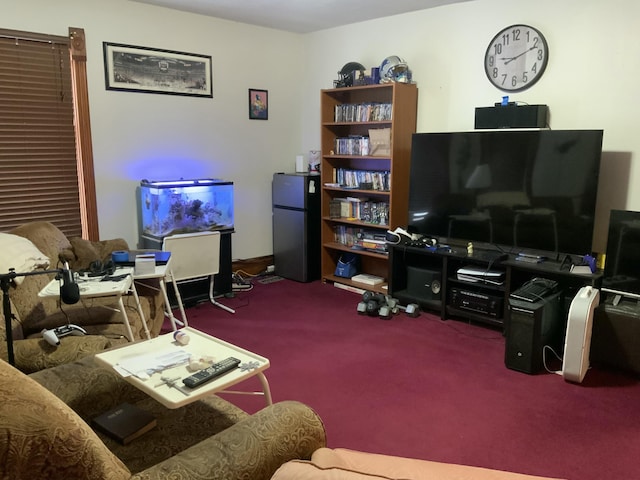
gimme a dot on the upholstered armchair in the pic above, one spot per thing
(45, 432)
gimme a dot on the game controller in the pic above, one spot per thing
(54, 335)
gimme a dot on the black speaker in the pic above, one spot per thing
(423, 284)
(529, 327)
(616, 336)
(512, 116)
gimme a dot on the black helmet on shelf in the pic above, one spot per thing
(349, 74)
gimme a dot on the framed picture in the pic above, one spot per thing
(258, 104)
(151, 70)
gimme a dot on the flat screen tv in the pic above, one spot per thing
(622, 263)
(514, 190)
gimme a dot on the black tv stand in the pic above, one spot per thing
(429, 277)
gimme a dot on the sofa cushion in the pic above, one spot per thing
(84, 252)
(305, 470)
(46, 237)
(347, 464)
(20, 254)
(41, 437)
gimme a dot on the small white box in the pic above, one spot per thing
(145, 264)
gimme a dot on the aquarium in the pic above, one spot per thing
(184, 206)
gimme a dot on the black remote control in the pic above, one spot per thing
(214, 371)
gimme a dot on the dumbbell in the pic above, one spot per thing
(386, 311)
(412, 309)
(371, 303)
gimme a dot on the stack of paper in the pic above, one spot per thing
(368, 279)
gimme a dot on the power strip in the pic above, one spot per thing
(241, 287)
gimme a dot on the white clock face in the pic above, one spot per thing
(516, 58)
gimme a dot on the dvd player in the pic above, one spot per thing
(477, 302)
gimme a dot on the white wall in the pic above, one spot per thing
(590, 82)
(137, 136)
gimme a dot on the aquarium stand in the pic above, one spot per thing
(199, 291)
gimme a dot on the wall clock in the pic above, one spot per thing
(516, 58)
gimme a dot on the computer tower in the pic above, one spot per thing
(529, 327)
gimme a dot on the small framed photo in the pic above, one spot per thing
(258, 104)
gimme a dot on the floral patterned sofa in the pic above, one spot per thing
(41, 245)
(45, 432)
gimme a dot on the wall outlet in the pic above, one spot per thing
(271, 268)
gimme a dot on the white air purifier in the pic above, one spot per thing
(577, 343)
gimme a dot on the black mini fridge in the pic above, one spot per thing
(296, 226)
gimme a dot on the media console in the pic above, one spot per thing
(430, 278)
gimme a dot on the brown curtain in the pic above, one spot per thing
(39, 166)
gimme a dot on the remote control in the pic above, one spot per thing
(214, 371)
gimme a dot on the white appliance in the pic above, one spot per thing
(577, 342)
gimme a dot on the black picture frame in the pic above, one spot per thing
(258, 104)
(132, 68)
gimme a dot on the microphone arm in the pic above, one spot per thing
(5, 282)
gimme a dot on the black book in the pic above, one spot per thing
(125, 423)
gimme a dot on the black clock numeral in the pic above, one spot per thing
(525, 78)
(516, 34)
(534, 69)
(491, 61)
(540, 54)
(497, 49)
(514, 81)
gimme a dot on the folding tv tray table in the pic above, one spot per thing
(143, 353)
(94, 288)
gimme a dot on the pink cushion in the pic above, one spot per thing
(305, 470)
(340, 463)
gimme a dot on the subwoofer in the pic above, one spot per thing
(529, 327)
(423, 284)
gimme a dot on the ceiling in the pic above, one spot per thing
(299, 16)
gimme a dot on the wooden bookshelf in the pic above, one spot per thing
(400, 100)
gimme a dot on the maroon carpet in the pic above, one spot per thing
(424, 388)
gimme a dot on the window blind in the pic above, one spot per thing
(38, 162)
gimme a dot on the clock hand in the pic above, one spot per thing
(508, 60)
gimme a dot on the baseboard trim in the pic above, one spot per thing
(252, 266)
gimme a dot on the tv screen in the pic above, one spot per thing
(519, 189)
(622, 264)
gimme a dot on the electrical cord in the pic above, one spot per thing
(544, 359)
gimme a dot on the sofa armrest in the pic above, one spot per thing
(252, 448)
